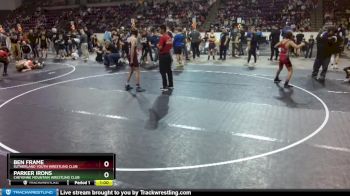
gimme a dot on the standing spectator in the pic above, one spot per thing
(300, 36)
(43, 43)
(274, 39)
(154, 42)
(310, 47)
(14, 37)
(4, 55)
(240, 45)
(185, 50)
(179, 41)
(146, 47)
(223, 44)
(165, 60)
(205, 42)
(195, 38)
(125, 46)
(69, 45)
(84, 45)
(32, 37)
(89, 40)
(252, 45)
(325, 48)
(235, 38)
(338, 50)
(61, 46)
(54, 40)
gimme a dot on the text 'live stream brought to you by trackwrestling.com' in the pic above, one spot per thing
(103, 192)
(124, 192)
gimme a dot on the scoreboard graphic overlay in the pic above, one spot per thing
(61, 169)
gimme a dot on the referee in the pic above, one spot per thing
(165, 60)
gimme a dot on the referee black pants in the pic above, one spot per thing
(6, 63)
(165, 62)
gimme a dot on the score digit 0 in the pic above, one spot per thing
(106, 174)
(106, 164)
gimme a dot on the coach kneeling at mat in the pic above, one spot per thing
(111, 55)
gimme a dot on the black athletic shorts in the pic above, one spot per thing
(178, 50)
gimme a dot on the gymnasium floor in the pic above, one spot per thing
(224, 126)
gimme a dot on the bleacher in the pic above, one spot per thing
(176, 13)
(265, 13)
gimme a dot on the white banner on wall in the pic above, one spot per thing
(10, 4)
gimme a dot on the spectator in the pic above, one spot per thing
(26, 50)
(179, 41)
(4, 55)
(223, 44)
(111, 55)
(195, 38)
(84, 44)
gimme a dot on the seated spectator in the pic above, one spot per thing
(111, 55)
(26, 50)
(99, 52)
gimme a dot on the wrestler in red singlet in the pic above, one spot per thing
(284, 58)
(284, 55)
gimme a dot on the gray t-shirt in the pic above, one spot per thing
(195, 36)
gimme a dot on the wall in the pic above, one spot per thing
(10, 4)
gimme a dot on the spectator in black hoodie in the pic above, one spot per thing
(326, 44)
(274, 39)
(32, 37)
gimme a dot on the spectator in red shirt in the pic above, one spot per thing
(165, 59)
(4, 54)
